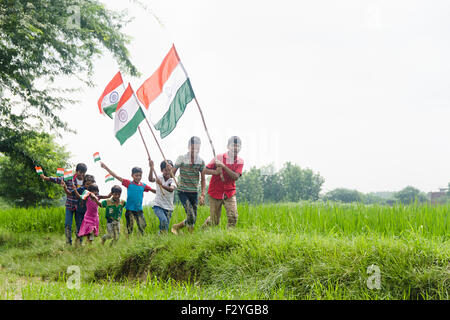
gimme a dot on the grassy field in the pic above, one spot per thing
(279, 251)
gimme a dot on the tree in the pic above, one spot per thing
(300, 184)
(41, 41)
(344, 195)
(271, 181)
(19, 183)
(249, 187)
(410, 194)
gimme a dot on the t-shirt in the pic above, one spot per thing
(217, 189)
(81, 206)
(165, 201)
(113, 210)
(135, 194)
(189, 173)
(71, 201)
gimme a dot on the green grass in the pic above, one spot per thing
(282, 251)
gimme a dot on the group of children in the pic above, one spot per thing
(83, 199)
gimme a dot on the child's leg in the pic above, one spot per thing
(192, 199)
(129, 217)
(109, 232)
(116, 230)
(215, 209)
(68, 225)
(79, 216)
(187, 201)
(231, 209)
(140, 220)
(163, 222)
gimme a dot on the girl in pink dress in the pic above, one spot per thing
(90, 225)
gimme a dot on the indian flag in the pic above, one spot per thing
(39, 170)
(128, 115)
(109, 178)
(168, 87)
(68, 175)
(108, 101)
(96, 157)
(85, 194)
(59, 172)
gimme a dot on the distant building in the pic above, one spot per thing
(434, 196)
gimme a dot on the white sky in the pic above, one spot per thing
(358, 91)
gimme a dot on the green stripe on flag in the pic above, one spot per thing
(109, 110)
(130, 128)
(168, 122)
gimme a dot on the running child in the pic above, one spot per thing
(163, 204)
(224, 192)
(71, 201)
(135, 197)
(90, 225)
(191, 169)
(114, 207)
(81, 206)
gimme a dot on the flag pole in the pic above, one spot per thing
(209, 137)
(162, 153)
(148, 153)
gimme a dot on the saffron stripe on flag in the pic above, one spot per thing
(153, 86)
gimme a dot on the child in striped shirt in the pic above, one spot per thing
(191, 168)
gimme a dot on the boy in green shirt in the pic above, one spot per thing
(114, 208)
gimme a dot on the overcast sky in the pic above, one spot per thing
(358, 91)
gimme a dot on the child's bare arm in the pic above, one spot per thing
(44, 177)
(110, 172)
(105, 197)
(93, 197)
(152, 168)
(215, 172)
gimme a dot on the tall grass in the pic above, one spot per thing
(277, 251)
(323, 218)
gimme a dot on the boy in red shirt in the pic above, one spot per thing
(224, 192)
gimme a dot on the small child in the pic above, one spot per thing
(135, 197)
(114, 208)
(81, 206)
(163, 204)
(90, 225)
(71, 201)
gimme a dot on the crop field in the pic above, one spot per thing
(277, 251)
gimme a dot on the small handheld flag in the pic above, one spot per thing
(108, 178)
(68, 175)
(85, 194)
(59, 172)
(96, 157)
(39, 170)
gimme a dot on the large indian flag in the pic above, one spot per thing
(128, 115)
(169, 88)
(110, 97)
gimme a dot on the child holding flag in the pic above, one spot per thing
(90, 225)
(72, 183)
(224, 192)
(191, 167)
(114, 208)
(163, 204)
(135, 197)
(81, 206)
